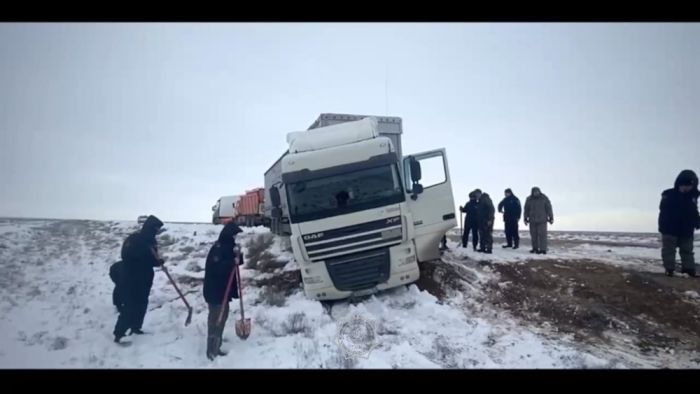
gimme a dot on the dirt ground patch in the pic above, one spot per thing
(593, 300)
(442, 279)
(286, 282)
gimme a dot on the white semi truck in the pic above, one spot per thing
(359, 215)
(224, 210)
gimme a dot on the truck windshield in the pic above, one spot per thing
(344, 193)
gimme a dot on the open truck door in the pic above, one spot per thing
(430, 201)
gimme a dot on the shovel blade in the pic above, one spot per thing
(243, 328)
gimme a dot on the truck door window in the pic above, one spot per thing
(432, 171)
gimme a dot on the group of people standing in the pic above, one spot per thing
(133, 279)
(480, 215)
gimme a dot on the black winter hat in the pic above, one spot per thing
(229, 232)
(687, 177)
(509, 191)
(153, 223)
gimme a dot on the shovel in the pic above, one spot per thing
(242, 325)
(189, 308)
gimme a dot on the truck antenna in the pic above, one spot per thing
(386, 89)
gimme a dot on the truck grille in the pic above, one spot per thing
(345, 241)
(359, 271)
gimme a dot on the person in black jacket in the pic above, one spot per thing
(115, 273)
(511, 209)
(219, 267)
(487, 214)
(140, 255)
(678, 220)
(471, 221)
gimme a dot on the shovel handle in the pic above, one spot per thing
(240, 290)
(175, 286)
(228, 289)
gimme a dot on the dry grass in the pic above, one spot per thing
(259, 257)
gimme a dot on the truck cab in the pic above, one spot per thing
(359, 217)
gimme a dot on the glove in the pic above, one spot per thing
(551, 221)
(527, 222)
(161, 262)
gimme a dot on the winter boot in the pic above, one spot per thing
(534, 251)
(506, 246)
(221, 353)
(669, 273)
(137, 331)
(516, 245)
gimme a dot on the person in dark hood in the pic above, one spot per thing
(471, 221)
(218, 269)
(486, 214)
(115, 273)
(510, 207)
(139, 255)
(538, 211)
(678, 220)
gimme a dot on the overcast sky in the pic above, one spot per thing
(111, 121)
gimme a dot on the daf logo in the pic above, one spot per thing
(393, 220)
(311, 237)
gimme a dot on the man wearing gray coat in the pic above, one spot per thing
(537, 212)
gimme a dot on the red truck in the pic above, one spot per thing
(249, 209)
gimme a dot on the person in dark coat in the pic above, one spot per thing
(140, 255)
(511, 209)
(115, 273)
(678, 220)
(487, 214)
(218, 269)
(471, 221)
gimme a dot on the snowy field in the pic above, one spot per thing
(56, 310)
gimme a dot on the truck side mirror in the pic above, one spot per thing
(415, 170)
(415, 177)
(417, 189)
(275, 196)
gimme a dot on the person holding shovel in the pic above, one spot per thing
(140, 255)
(219, 268)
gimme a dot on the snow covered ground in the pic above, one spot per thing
(56, 310)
